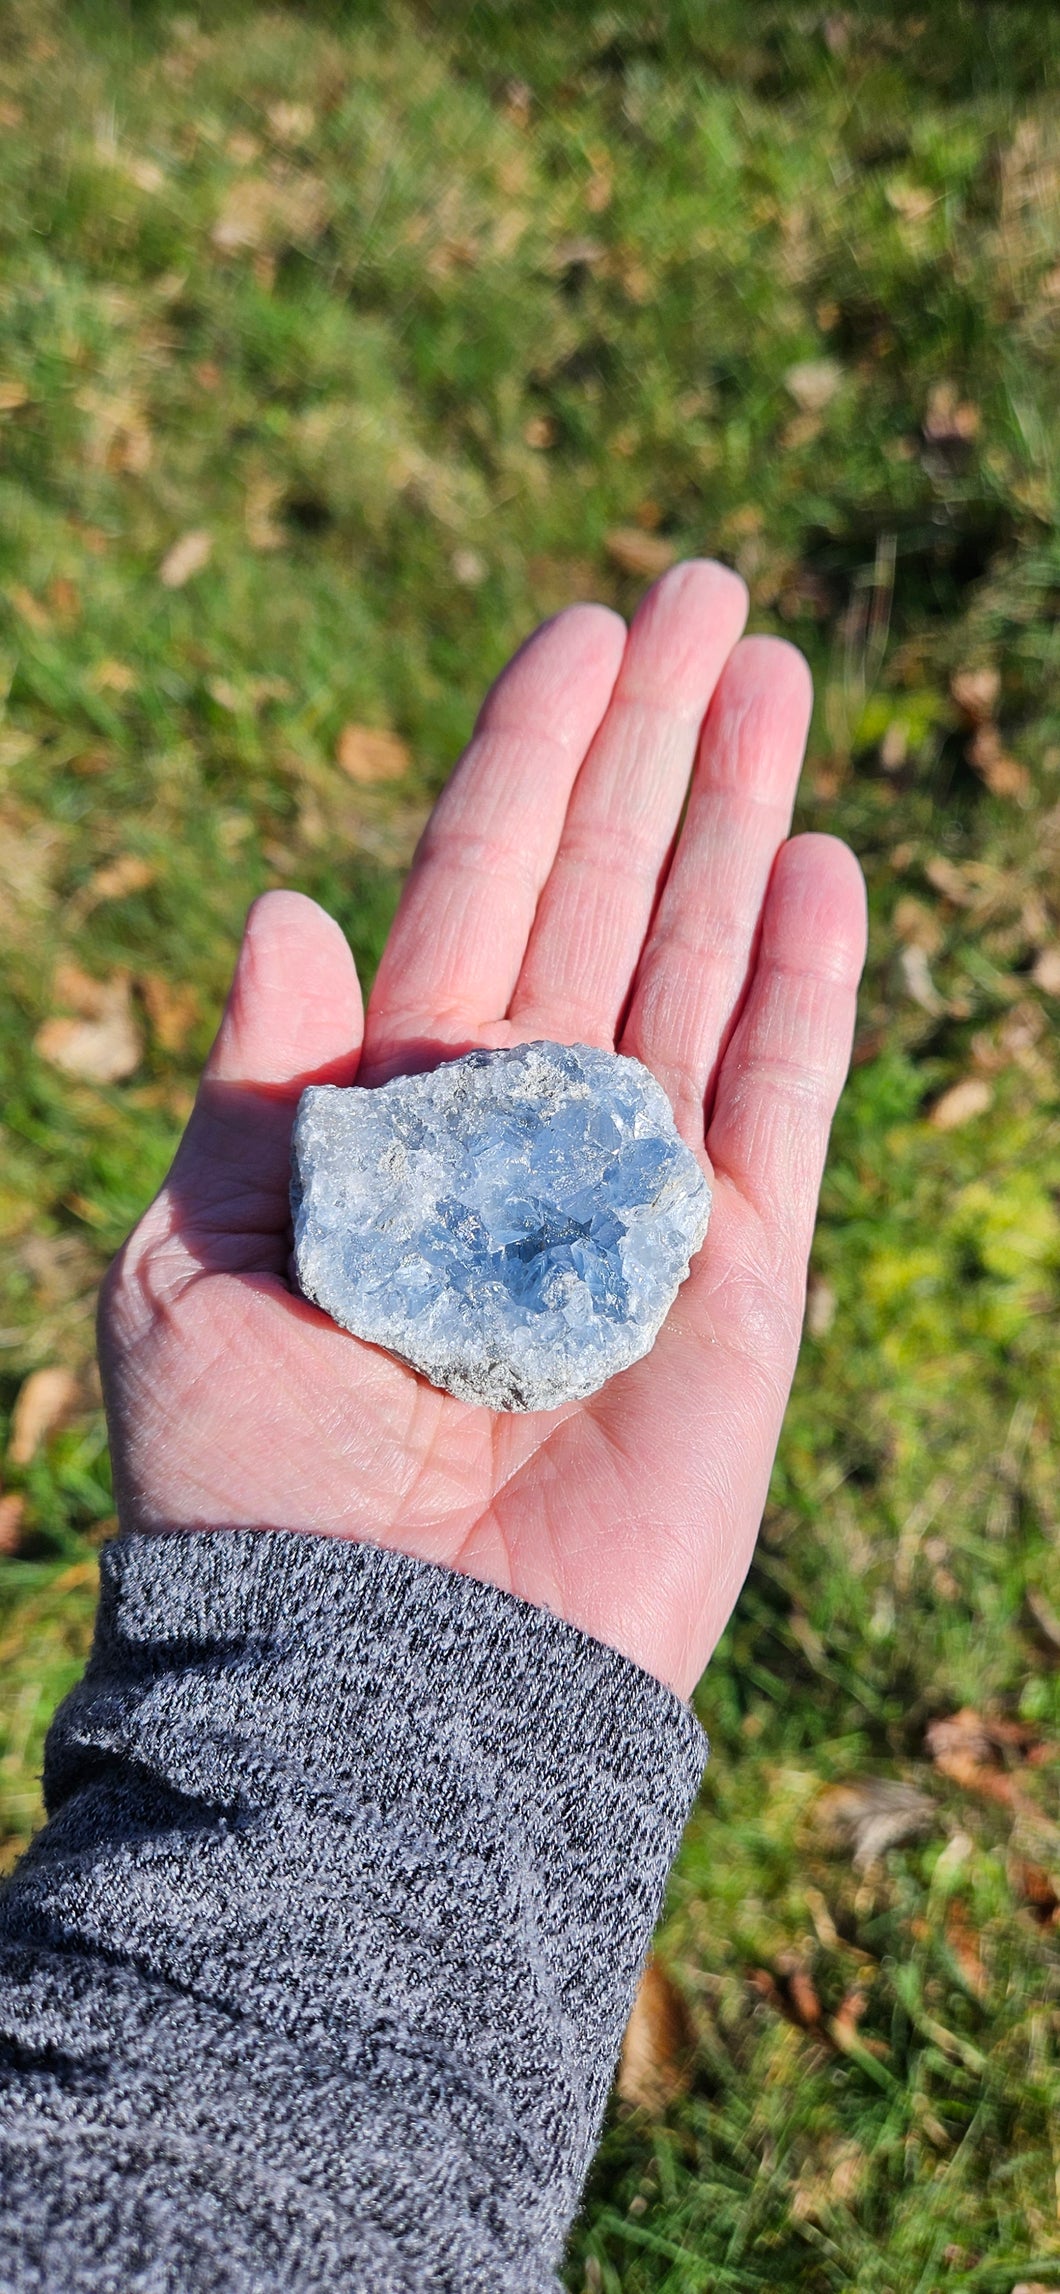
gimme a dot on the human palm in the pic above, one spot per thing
(557, 892)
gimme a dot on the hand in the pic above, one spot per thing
(554, 894)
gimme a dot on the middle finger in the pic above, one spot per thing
(597, 904)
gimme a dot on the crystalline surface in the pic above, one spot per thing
(514, 1225)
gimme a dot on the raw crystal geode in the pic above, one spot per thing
(515, 1225)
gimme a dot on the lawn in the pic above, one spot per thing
(338, 345)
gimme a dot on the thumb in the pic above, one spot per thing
(294, 1016)
(294, 1012)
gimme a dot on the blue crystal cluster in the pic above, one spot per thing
(514, 1225)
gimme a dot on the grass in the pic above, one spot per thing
(420, 317)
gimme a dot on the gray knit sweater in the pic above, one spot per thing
(317, 1975)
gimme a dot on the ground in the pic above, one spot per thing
(337, 346)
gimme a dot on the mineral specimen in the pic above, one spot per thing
(515, 1225)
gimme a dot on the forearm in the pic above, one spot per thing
(318, 1973)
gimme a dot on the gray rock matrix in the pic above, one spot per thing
(515, 1225)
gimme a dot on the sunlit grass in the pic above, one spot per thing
(418, 318)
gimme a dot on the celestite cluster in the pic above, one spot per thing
(514, 1225)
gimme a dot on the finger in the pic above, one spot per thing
(784, 1069)
(696, 966)
(293, 1017)
(460, 933)
(294, 1006)
(597, 904)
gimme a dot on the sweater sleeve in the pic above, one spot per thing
(317, 1975)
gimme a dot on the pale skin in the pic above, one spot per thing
(555, 893)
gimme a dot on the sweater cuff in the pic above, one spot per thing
(416, 1829)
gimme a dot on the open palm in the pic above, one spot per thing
(555, 894)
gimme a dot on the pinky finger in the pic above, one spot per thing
(788, 1058)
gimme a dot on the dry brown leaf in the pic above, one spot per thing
(1044, 1619)
(263, 498)
(1046, 973)
(653, 2066)
(113, 677)
(114, 881)
(961, 1103)
(1004, 775)
(820, 1306)
(469, 569)
(12, 1514)
(917, 925)
(636, 552)
(367, 754)
(89, 997)
(964, 1945)
(187, 556)
(45, 1398)
(1036, 1886)
(949, 879)
(917, 980)
(976, 692)
(291, 123)
(873, 1815)
(34, 614)
(103, 1044)
(813, 383)
(12, 396)
(266, 213)
(950, 420)
(172, 1008)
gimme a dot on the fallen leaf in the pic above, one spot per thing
(85, 995)
(964, 1946)
(917, 980)
(263, 213)
(912, 202)
(813, 383)
(263, 499)
(949, 879)
(1036, 1886)
(894, 747)
(1044, 1619)
(45, 1398)
(1046, 973)
(961, 1103)
(12, 1514)
(917, 924)
(64, 598)
(34, 614)
(291, 123)
(1004, 775)
(820, 1306)
(976, 692)
(113, 677)
(950, 420)
(172, 1008)
(652, 2070)
(12, 396)
(187, 556)
(869, 1817)
(635, 552)
(469, 569)
(367, 754)
(102, 1045)
(114, 881)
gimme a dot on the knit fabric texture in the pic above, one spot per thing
(317, 1975)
